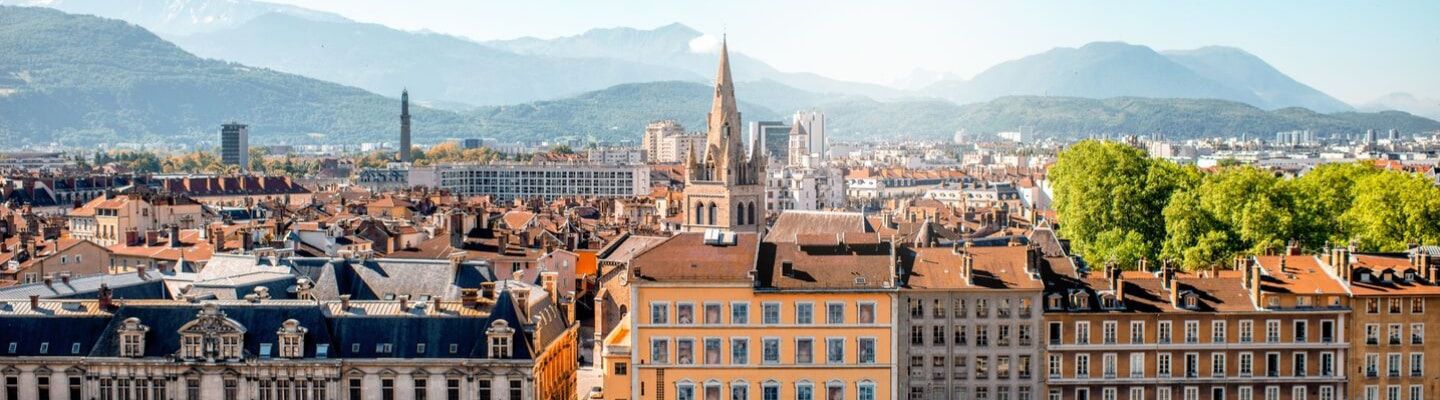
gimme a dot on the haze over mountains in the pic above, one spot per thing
(604, 83)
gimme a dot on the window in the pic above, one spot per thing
(1372, 306)
(192, 389)
(685, 313)
(960, 335)
(865, 313)
(1247, 364)
(770, 391)
(1372, 334)
(835, 313)
(1024, 335)
(712, 351)
(740, 313)
(1372, 365)
(132, 338)
(982, 336)
(1247, 331)
(804, 391)
(1108, 365)
(1082, 365)
(684, 391)
(1417, 305)
(1137, 365)
(1327, 364)
(739, 391)
(420, 388)
(1393, 332)
(1107, 331)
(1217, 364)
(685, 351)
(1302, 329)
(1082, 333)
(1137, 332)
(712, 314)
(739, 351)
(1417, 333)
(452, 386)
(517, 389)
(1192, 365)
(1217, 331)
(1417, 392)
(982, 308)
(1245, 393)
(1272, 331)
(1055, 366)
(659, 351)
(804, 313)
(484, 390)
(292, 339)
(770, 313)
(1299, 364)
(387, 389)
(1393, 305)
(937, 310)
(1162, 333)
(500, 335)
(835, 350)
(1056, 330)
(866, 354)
(1192, 331)
(1272, 364)
(659, 313)
(834, 391)
(866, 391)
(1417, 364)
(804, 350)
(1162, 365)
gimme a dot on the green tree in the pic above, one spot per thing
(1392, 210)
(1110, 188)
(1321, 197)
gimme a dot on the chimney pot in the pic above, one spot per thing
(345, 302)
(34, 302)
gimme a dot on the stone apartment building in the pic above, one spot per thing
(970, 323)
(105, 220)
(1273, 328)
(1395, 299)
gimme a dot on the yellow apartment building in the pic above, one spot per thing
(722, 315)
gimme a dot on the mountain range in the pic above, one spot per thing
(78, 80)
(458, 73)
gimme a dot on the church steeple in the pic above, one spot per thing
(724, 154)
(724, 189)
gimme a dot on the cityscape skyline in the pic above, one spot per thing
(1389, 50)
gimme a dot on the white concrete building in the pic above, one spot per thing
(505, 182)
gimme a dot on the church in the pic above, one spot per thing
(726, 189)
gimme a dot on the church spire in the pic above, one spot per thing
(722, 142)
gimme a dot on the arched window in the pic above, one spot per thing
(711, 219)
(804, 390)
(211, 335)
(750, 214)
(835, 390)
(699, 211)
(770, 390)
(739, 390)
(684, 390)
(740, 214)
(865, 390)
(712, 390)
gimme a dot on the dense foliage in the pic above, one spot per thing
(1117, 205)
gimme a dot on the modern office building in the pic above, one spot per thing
(235, 145)
(813, 125)
(774, 137)
(547, 181)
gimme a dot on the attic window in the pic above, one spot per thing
(1108, 301)
(1192, 301)
(500, 335)
(1365, 277)
(859, 281)
(322, 351)
(454, 348)
(132, 338)
(292, 339)
(1053, 302)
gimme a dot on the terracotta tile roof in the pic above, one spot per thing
(193, 248)
(827, 266)
(686, 257)
(791, 224)
(995, 267)
(1396, 263)
(1301, 274)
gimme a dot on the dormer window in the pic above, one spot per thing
(1080, 299)
(132, 338)
(500, 337)
(1108, 301)
(292, 339)
(211, 335)
(1191, 300)
(1053, 302)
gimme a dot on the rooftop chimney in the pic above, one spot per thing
(174, 236)
(487, 290)
(404, 302)
(34, 302)
(468, 297)
(140, 271)
(65, 278)
(105, 301)
(345, 302)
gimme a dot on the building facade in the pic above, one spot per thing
(235, 145)
(505, 182)
(1393, 295)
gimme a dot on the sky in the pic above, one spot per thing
(1353, 50)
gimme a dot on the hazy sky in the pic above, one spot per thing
(1353, 50)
